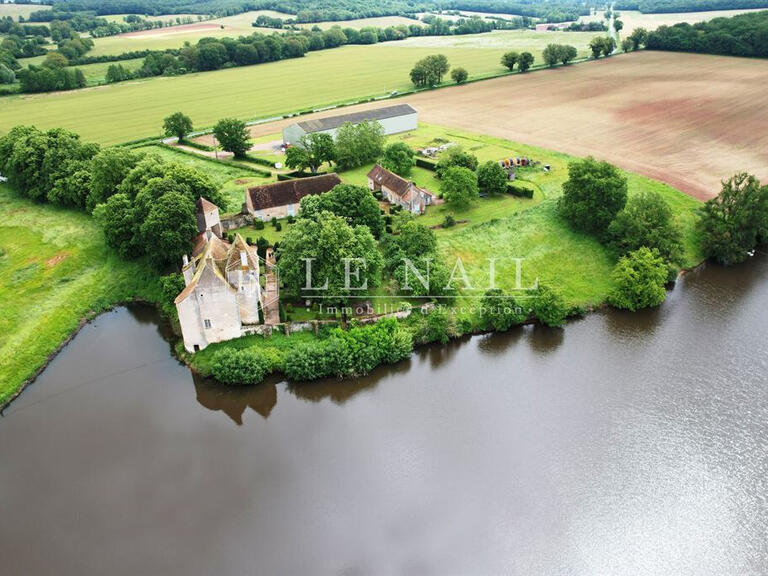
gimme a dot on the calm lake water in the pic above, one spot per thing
(626, 444)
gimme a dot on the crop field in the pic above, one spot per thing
(135, 109)
(163, 18)
(633, 19)
(673, 117)
(16, 10)
(175, 36)
(378, 22)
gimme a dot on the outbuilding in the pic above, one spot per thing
(394, 119)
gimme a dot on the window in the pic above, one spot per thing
(207, 323)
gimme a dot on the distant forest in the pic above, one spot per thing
(328, 10)
(742, 35)
(668, 6)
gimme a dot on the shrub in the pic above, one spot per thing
(646, 220)
(240, 367)
(258, 224)
(278, 226)
(492, 178)
(519, 191)
(426, 164)
(459, 75)
(639, 277)
(548, 306)
(500, 311)
(449, 221)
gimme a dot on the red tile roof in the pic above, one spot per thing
(290, 191)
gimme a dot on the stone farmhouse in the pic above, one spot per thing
(394, 119)
(223, 295)
(399, 191)
(282, 199)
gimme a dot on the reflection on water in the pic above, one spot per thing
(625, 444)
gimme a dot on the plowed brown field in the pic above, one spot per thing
(688, 120)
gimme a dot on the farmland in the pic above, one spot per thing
(16, 10)
(672, 117)
(633, 19)
(135, 109)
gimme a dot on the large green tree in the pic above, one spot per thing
(177, 124)
(169, 229)
(359, 144)
(593, 195)
(311, 151)
(355, 204)
(492, 178)
(509, 59)
(233, 136)
(639, 278)
(455, 156)
(429, 71)
(525, 61)
(334, 248)
(647, 220)
(734, 222)
(398, 157)
(459, 186)
(108, 170)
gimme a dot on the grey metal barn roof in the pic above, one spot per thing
(355, 117)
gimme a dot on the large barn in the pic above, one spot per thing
(394, 119)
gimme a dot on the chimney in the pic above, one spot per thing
(208, 234)
(185, 260)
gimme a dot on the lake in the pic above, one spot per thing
(625, 444)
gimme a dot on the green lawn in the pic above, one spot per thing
(135, 109)
(54, 270)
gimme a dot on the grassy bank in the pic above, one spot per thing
(55, 270)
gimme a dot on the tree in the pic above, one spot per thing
(609, 45)
(509, 59)
(626, 45)
(455, 156)
(108, 169)
(233, 136)
(398, 157)
(551, 54)
(525, 61)
(359, 144)
(415, 248)
(647, 220)
(638, 38)
(55, 60)
(177, 124)
(328, 240)
(593, 195)
(568, 53)
(355, 204)
(240, 366)
(115, 216)
(639, 278)
(732, 224)
(596, 46)
(548, 306)
(169, 228)
(492, 178)
(458, 186)
(459, 75)
(500, 311)
(311, 151)
(618, 25)
(429, 71)
(7, 75)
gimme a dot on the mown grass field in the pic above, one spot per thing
(633, 19)
(54, 270)
(16, 10)
(135, 109)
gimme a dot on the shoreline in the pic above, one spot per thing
(184, 359)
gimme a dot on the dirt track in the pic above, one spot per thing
(688, 120)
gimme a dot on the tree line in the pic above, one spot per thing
(741, 35)
(668, 6)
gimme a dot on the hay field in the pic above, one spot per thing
(633, 19)
(16, 10)
(175, 36)
(685, 119)
(378, 22)
(135, 109)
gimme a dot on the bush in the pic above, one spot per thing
(639, 277)
(646, 220)
(449, 221)
(500, 311)
(548, 306)
(240, 367)
(459, 75)
(278, 226)
(426, 164)
(258, 224)
(519, 191)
